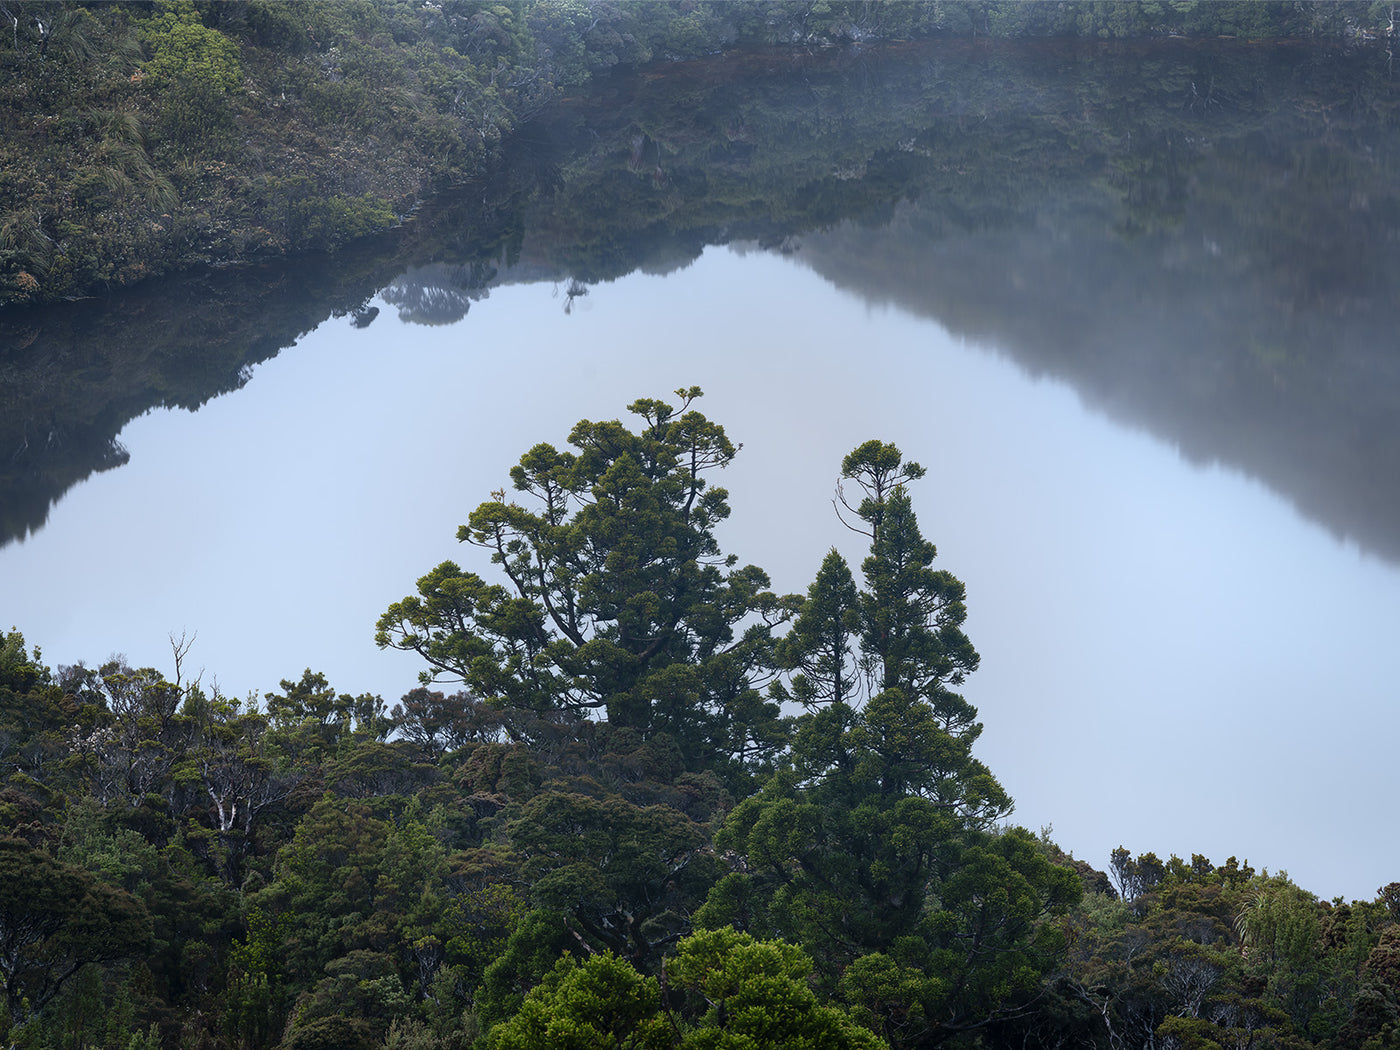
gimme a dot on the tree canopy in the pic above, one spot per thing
(667, 808)
(616, 597)
(874, 830)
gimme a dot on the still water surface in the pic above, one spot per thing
(1172, 657)
(1181, 650)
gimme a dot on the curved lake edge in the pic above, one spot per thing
(887, 139)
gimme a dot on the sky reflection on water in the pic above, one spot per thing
(1172, 659)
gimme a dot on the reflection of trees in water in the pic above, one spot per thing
(1252, 193)
(439, 293)
(1176, 332)
(61, 457)
(1201, 238)
(72, 376)
(576, 290)
(177, 342)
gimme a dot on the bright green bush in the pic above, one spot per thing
(189, 53)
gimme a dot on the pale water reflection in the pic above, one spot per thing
(1172, 658)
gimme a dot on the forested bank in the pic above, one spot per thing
(1045, 182)
(639, 799)
(138, 139)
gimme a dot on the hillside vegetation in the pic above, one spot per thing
(638, 800)
(140, 138)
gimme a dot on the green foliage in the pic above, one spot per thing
(1134, 876)
(747, 994)
(1212, 956)
(310, 711)
(299, 212)
(326, 880)
(189, 54)
(118, 856)
(401, 874)
(911, 614)
(438, 724)
(309, 883)
(354, 1003)
(379, 102)
(254, 1012)
(579, 1006)
(871, 852)
(736, 993)
(194, 69)
(1278, 923)
(537, 941)
(624, 874)
(35, 718)
(55, 919)
(616, 596)
(818, 647)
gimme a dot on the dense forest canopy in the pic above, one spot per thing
(638, 800)
(1075, 169)
(141, 138)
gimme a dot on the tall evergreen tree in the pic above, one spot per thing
(911, 613)
(818, 648)
(617, 596)
(877, 850)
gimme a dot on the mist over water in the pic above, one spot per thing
(1158, 429)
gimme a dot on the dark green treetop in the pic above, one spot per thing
(616, 594)
(601, 1002)
(818, 647)
(911, 613)
(877, 850)
(726, 991)
(55, 919)
(878, 468)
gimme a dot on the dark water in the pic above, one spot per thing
(1133, 307)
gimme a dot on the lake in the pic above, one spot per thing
(1133, 308)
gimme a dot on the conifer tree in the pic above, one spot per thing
(877, 849)
(818, 647)
(616, 597)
